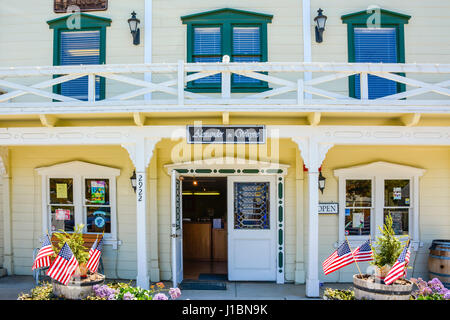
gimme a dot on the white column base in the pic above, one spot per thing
(312, 288)
(143, 281)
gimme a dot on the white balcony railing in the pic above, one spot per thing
(127, 91)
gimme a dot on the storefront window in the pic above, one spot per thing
(358, 203)
(97, 206)
(397, 201)
(61, 204)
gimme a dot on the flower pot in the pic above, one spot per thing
(77, 289)
(366, 288)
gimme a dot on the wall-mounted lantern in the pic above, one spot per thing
(133, 22)
(320, 20)
(321, 182)
(133, 181)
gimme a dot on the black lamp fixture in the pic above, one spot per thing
(133, 22)
(320, 20)
(133, 181)
(321, 182)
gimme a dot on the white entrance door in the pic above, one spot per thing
(251, 228)
(176, 229)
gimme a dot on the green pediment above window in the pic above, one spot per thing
(86, 21)
(227, 14)
(369, 16)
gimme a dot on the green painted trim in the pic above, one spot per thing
(203, 171)
(280, 214)
(182, 170)
(280, 261)
(250, 171)
(88, 22)
(227, 13)
(280, 190)
(388, 19)
(227, 171)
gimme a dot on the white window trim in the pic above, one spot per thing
(377, 172)
(79, 171)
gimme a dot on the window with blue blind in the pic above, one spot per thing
(79, 48)
(74, 47)
(376, 45)
(242, 35)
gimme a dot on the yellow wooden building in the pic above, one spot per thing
(242, 138)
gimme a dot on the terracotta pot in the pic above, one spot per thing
(82, 268)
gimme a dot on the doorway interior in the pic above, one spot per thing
(205, 252)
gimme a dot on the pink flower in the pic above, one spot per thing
(174, 293)
(160, 296)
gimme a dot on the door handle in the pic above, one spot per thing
(175, 235)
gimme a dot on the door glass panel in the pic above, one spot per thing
(251, 205)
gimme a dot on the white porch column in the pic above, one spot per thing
(6, 208)
(140, 153)
(313, 154)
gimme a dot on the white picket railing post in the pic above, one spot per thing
(180, 82)
(300, 92)
(364, 86)
(91, 87)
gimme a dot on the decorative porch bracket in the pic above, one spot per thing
(313, 154)
(140, 153)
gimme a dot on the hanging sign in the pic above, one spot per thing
(61, 191)
(226, 134)
(62, 214)
(397, 191)
(61, 6)
(329, 208)
(98, 191)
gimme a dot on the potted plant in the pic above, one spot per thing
(76, 243)
(386, 251)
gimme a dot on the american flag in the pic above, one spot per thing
(338, 259)
(43, 257)
(91, 251)
(94, 258)
(64, 266)
(363, 252)
(399, 268)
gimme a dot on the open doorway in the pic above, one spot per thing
(205, 252)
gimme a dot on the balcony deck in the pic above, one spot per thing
(293, 87)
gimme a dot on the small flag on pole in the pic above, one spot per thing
(398, 270)
(338, 259)
(363, 252)
(64, 265)
(91, 251)
(94, 258)
(43, 257)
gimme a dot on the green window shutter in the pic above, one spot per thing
(62, 27)
(366, 19)
(243, 37)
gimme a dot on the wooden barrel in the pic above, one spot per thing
(75, 289)
(439, 261)
(366, 288)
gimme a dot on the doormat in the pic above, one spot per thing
(213, 276)
(202, 285)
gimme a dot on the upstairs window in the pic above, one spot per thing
(375, 36)
(76, 48)
(82, 43)
(241, 35)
